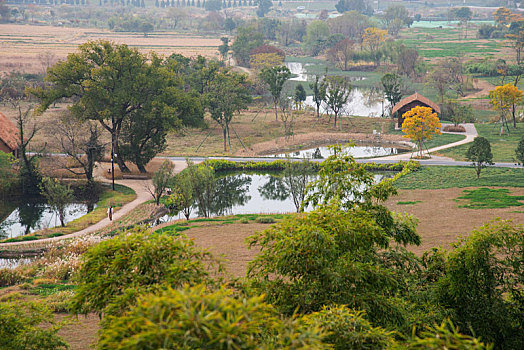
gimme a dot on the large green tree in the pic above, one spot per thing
(275, 78)
(337, 94)
(112, 83)
(144, 132)
(227, 94)
(392, 85)
(247, 39)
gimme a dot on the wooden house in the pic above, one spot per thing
(407, 103)
(9, 139)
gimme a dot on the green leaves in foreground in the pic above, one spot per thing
(197, 318)
(21, 328)
(490, 198)
(115, 272)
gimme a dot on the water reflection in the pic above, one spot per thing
(25, 216)
(366, 102)
(355, 151)
(251, 194)
(230, 191)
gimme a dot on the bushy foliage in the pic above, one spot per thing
(348, 329)
(21, 328)
(479, 152)
(116, 271)
(197, 318)
(482, 284)
(10, 277)
(443, 336)
(323, 257)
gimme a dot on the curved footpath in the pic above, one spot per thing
(142, 195)
(140, 186)
(471, 133)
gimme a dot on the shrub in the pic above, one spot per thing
(11, 296)
(118, 270)
(21, 328)
(348, 329)
(453, 128)
(10, 277)
(195, 318)
(265, 220)
(60, 301)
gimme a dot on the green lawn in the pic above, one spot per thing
(502, 146)
(489, 198)
(435, 177)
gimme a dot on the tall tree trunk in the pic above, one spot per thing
(335, 120)
(119, 160)
(276, 110)
(225, 143)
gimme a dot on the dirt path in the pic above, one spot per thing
(483, 86)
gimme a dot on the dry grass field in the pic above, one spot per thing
(22, 46)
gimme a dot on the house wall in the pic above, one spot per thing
(4, 148)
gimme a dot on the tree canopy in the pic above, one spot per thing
(420, 124)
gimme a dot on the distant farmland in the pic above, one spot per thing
(23, 45)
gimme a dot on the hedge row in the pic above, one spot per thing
(220, 165)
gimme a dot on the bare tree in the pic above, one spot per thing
(47, 59)
(80, 140)
(30, 176)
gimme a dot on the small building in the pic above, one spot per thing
(407, 103)
(9, 139)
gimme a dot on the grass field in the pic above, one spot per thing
(437, 43)
(258, 126)
(437, 177)
(488, 198)
(502, 146)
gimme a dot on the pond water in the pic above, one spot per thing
(365, 102)
(355, 151)
(30, 215)
(445, 24)
(251, 194)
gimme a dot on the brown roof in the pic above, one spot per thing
(416, 97)
(8, 132)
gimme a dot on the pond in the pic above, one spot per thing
(25, 216)
(355, 151)
(365, 102)
(251, 194)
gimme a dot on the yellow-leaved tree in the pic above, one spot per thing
(420, 124)
(373, 38)
(503, 98)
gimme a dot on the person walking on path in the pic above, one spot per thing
(110, 213)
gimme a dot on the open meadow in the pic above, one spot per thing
(31, 49)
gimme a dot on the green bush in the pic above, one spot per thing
(265, 220)
(220, 165)
(445, 336)
(21, 328)
(348, 329)
(195, 318)
(115, 272)
(10, 277)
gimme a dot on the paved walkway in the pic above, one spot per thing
(142, 195)
(471, 133)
